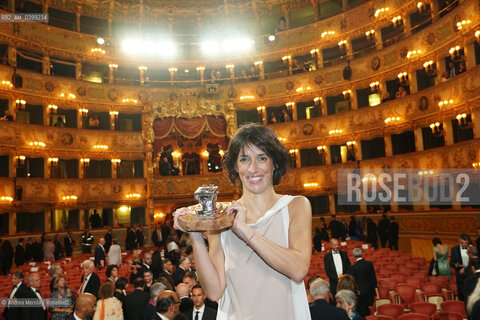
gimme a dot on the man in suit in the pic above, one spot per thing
(87, 240)
(29, 250)
(85, 306)
(90, 280)
(364, 274)
(159, 235)
(19, 291)
(108, 239)
(393, 231)
(383, 227)
(100, 254)
(136, 301)
(459, 260)
(200, 311)
(140, 236)
(336, 263)
(321, 308)
(183, 267)
(19, 253)
(185, 303)
(336, 228)
(68, 243)
(167, 307)
(38, 309)
(167, 271)
(150, 309)
(470, 283)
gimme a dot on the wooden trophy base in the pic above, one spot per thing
(190, 222)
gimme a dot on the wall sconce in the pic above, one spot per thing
(83, 112)
(116, 162)
(52, 108)
(397, 21)
(430, 67)
(381, 11)
(172, 69)
(114, 115)
(336, 131)
(476, 165)
(321, 149)
(230, 67)
(69, 198)
(426, 173)
(391, 119)
(403, 78)
(301, 89)
(260, 109)
(286, 59)
(343, 46)
(129, 100)
(413, 53)
(20, 160)
(314, 52)
(464, 121)
(133, 195)
(422, 8)
(290, 105)
(477, 35)
(143, 68)
(37, 144)
(100, 147)
(85, 162)
(247, 97)
(455, 53)
(6, 199)
(369, 178)
(258, 63)
(20, 104)
(282, 139)
(68, 96)
(462, 24)
(310, 185)
(113, 66)
(200, 68)
(444, 103)
(370, 34)
(437, 129)
(7, 84)
(351, 144)
(374, 86)
(97, 50)
(221, 153)
(327, 33)
(205, 154)
(292, 152)
(53, 162)
(347, 94)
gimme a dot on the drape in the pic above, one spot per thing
(189, 128)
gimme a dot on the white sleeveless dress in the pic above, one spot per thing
(254, 290)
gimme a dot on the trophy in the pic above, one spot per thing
(208, 214)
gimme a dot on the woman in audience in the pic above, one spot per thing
(48, 251)
(108, 307)
(61, 292)
(55, 271)
(112, 273)
(267, 248)
(473, 304)
(115, 254)
(131, 239)
(347, 300)
(134, 265)
(120, 291)
(347, 282)
(440, 255)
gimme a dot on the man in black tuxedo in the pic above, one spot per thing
(321, 308)
(470, 283)
(167, 271)
(200, 311)
(459, 260)
(383, 228)
(185, 303)
(85, 306)
(29, 250)
(183, 267)
(159, 235)
(19, 291)
(90, 280)
(167, 307)
(336, 263)
(38, 309)
(19, 253)
(393, 231)
(136, 301)
(364, 274)
(336, 227)
(108, 239)
(68, 243)
(100, 255)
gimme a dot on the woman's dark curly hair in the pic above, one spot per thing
(263, 138)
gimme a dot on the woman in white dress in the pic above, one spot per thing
(257, 267)
(115, 254)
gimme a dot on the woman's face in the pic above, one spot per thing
(255, 169)
(61, 283)
(114, 272)
(59, 270)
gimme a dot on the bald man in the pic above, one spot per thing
(183, 292)
(167, 306)
(100, 255)
(37, 310)
(84, 307)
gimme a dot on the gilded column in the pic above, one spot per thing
(48, 221)
(413, 82)
(11, 166)
(294, 112)
(476, 123)
(331, 203)
(77, 20)
(353, 100)
(387, 140)
(418, 135)
(81, 216)
(434, 9)
(45, 4)
(344, 5)
(12, 223)
(46, 64)
(448, 128)
(470, 55)
(12, 55)
(323, 106)
(78, 70)
(11, 6)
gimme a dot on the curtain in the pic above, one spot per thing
(190, 128)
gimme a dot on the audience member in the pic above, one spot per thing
(115, 254)
(37, 250)
(281, 24)
(108, 307)
(477, 242)
(131, 239)
(321, 308)
(200, 310)
(383, 227)
(90, 280)
(112, 273)
(68, 243)
(393, 231)
(87, 241)
(183, 267)
(164, 167)
(100, 255)
(136, 301)
(7, 116)
(157, 265)
(120, 293)
(95, 220)
(7, 256)
(386, 97)
(364, 273)
(159, 235)
(347, 300)
(84, 307)
(28, 250)
(19, 291)
(60, 294)
(167, 306)
(59, 252)
(317, 240)
(48, 251)
(37, 309)
(401, 93)
(459, 261)
(19, 253)
(470, 282)
(445, 76)
(285, 116)
(55, 271)
(149, 311)
(135, 265)
(59, 123)
(272, 118)
(335, 227)
(372, 237)
(461, 68)
(296, 67)
(440, 256)
(451, 70)
(148, 277)
(108, 239)
(190, 279)
(140, 236)
(473, 304)
(147, 262)
(185, 303)
(336, 263)
(93, 122)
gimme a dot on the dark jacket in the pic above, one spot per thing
(140, 237)
(135, 302)
(108, 240)
(332, 272)
(185, 304)
(14, 313)
(19, 255)
(178, 275)
(68, 245)
(208, 314)
(469, 285)
(320, 309)
(364, 274)
(336, 228)
(99, 256)
(93, 284)
(33, 313)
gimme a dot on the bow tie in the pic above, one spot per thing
(335, 252)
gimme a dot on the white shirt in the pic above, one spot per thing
(76, 317)
(162, 316)
(200, 312)
(337, 260)
(37, 293)
(86, 281)
(465, 259)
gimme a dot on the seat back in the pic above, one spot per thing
(390, 283)
(413, 316)
(378, 317)
(393, 310)
(445, 315)
(430, 288)
(454, 306)
(423, 307)
(406, 293)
